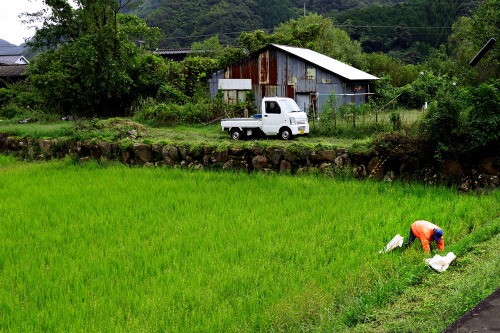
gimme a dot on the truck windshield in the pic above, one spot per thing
(289, 105)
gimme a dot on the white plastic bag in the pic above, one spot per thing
(397, 241)
(440, 263)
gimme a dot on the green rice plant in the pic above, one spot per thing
(120, 249)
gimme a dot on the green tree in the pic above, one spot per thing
(317, 33)
(380, 64)
(442, 120)
(427, 87)
(313, 32)
(90, 59)
(439, 123)
(253, 41)
(469, 36)
(212, 48)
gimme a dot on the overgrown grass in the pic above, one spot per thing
(91, 248)
(367, 125)
(200, 135)
(37, 130)
(344, 135)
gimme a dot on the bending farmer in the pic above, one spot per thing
(426, 232)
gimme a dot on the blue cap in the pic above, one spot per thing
(438, 233)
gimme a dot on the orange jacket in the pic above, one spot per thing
(424, 231)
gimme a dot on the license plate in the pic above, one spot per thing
(301, 131)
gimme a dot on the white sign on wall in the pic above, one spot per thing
(235, 84)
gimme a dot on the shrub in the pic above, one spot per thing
(424, 89)
(19, 101)
(11, 110)
(395, 118)
(169, 94)
(6, 95)
(484, 114)
(441, 120)
(169, 114)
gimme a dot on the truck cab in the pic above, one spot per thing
(279, 116)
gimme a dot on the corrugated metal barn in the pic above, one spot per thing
(304, 75)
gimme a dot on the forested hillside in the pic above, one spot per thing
(185, 22)
(408, 30)
(329, 6)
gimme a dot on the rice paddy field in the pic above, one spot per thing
(112, 248)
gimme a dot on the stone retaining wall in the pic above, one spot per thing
(296, 159)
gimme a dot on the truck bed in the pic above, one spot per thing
(241, 122)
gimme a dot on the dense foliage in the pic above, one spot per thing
(91, 64)
(469, 35)
(484, 115)
(313, 32)
(185, 22)
(96, 61)
(407, 30)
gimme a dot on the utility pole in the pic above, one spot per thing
(304, 9)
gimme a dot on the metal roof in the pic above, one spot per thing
(172, 51)
(179, 51)
(327, 63)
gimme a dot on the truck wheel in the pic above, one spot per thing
(236, 134)
(285, 134)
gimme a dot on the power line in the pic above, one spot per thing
(448, 20)
(441, 28)
(214, 34)
(388, 26)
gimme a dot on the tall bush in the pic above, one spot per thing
(441, 122)
(169, 114)
(425, 88)
(484, 115)
(19, 101)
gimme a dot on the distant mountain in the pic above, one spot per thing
(7, 48)
(408, 30)
(185, 22)
(188, 21)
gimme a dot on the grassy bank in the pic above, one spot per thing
(91, 248)
(343, 134)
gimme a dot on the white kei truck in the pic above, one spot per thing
(280, 116)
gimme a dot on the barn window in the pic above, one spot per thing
(311, 73)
